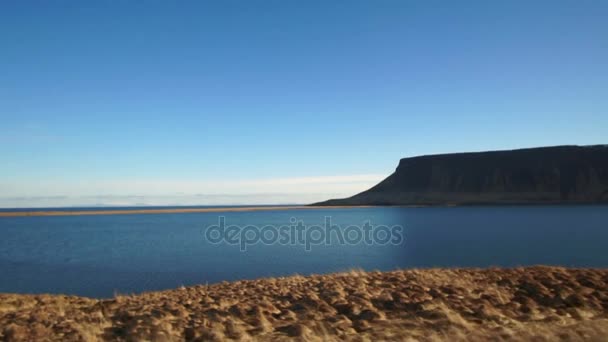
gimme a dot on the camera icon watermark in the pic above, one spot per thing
(296, 233)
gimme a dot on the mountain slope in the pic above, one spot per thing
(559, 174)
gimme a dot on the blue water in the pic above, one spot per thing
(99, 256)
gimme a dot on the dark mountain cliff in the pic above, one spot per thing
(560, 174)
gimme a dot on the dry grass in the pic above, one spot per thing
(536, 303)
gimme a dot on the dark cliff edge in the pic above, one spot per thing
(544, 175)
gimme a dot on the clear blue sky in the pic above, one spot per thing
(184, 96)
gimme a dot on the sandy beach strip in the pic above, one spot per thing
(163, 211)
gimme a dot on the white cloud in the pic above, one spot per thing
(184, 192)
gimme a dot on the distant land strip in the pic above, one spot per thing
(160, 211)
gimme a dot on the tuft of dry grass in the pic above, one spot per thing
(534, 303)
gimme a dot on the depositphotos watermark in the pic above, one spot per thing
(296, 233)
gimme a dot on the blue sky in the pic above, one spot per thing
(221, 102)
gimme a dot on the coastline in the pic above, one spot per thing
(526, 303)
(65, 212)
(166, 211)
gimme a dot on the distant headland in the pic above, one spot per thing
(543, 175)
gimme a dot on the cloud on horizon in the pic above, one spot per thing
(300, 190)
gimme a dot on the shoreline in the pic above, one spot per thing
(166, 211)
(66, 212)
(460, 304)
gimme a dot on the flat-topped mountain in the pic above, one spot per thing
(559, 174)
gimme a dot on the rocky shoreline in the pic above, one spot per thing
(532, 303)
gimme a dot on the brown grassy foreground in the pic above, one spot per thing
(162, 211)
(537, 303)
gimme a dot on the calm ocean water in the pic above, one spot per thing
(99, 256)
